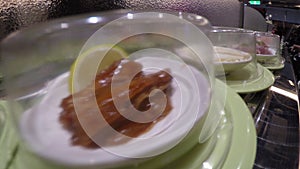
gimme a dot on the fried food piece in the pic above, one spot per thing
(139, 89)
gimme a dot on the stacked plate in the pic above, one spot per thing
(221, 150)
(236, 55)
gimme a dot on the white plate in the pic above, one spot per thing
(46, 137)
(230, 59)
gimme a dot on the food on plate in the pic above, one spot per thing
(229, 59)
(231, 55)
(139, 89)
(262, 48)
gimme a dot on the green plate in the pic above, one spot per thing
(244, 133)
(275, 64)
(8, 139)
(263, 82)
(222, 150)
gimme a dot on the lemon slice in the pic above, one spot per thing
(90, 62)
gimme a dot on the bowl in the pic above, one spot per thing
(231, 59)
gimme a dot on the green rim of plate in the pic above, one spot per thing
(243, 149)
(8, 138)
(278, 64)
(277, 67)
(263, 82)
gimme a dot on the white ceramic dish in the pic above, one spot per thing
(45, 136)
(230, 59)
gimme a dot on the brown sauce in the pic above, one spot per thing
(139, 89)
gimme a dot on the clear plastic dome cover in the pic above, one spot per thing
(112, 89)
(268, 49)
(236, 52)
